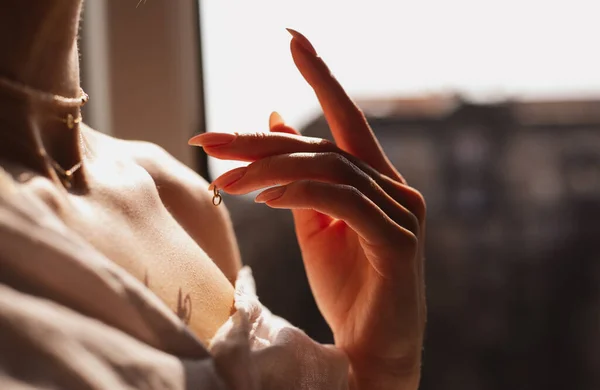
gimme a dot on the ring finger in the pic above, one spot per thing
(325, 167)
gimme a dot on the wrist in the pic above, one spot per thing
(408, 381)
(383, 374)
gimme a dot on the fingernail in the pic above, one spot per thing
(275, 120)
(211, 139)
(228, 178)
(270, 194)
(303, 41)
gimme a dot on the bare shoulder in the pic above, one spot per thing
(160, 164)
(184, 193)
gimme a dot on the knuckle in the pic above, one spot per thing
(353, 194)
(414, 201)
(343, 168)
(257, 135)
(265, 164)
(334, 159)
(419, 205)
(405, 242)
(372, 185)
(410, 244)
(327, 145)
(306, 187)
(412, 223)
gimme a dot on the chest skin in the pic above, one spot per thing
(123, 215)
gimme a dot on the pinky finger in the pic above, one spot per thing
(342, 202)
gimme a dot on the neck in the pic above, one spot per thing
(41, 37)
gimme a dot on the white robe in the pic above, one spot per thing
(72, 319)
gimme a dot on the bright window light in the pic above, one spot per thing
(377, 48)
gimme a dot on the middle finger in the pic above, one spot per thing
(326, 167)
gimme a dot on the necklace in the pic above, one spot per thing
(70, 121)
(66, 176)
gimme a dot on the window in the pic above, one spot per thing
(380, 48)
(489, 93)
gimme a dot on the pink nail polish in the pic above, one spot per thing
(270, 194)
(228, 178)
(212, 139)
(303, 41)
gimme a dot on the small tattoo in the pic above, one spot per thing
(184, 303)
(184, 307)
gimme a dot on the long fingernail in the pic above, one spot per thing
(228, 178)
(303, 41)
(270, 194)
(212, 139)
(275, 120)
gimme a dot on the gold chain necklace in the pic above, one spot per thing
(65, 175)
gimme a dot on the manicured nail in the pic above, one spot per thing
(211, 139)
(270, 194)
(275, 120)
(228, 178)
(303, 41)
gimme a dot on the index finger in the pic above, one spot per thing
(348, 125)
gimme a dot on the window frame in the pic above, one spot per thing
(124, 45)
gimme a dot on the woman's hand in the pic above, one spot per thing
(359, 225)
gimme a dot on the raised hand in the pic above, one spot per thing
(359, 225)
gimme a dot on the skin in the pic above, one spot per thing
(131, 200)
(360, 226)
